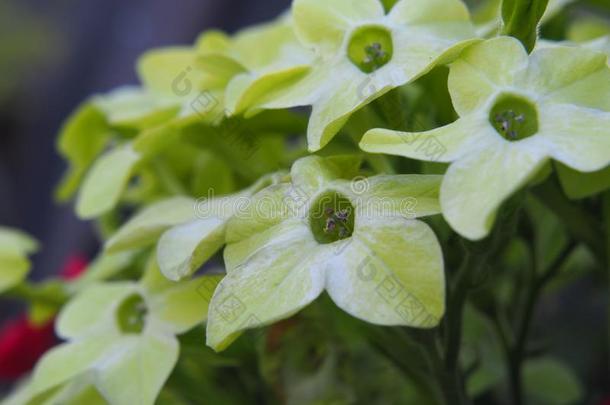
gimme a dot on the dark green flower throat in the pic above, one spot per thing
(331, 217)
(131, 314)
(370, 48)
(514, 117)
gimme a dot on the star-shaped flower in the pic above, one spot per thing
(124, 331)
(357, 240)
(516, 113)
(362, 53)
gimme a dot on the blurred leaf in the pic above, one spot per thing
(548, 381)
(578, 185)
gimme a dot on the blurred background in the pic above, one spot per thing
(54, 54)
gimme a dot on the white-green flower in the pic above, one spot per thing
(357, 240)
(15, 246)
(363, 53)
(516, 113)
(124, 332)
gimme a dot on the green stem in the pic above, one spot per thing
(516, 352)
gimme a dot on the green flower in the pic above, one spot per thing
(124, 331)
(15, 246)
(516, 113)
(357, 240)
(364, 53)
(262, 58)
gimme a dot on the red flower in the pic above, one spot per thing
(21, 345)
(22, 342)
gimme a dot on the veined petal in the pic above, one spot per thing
(184, 305)
(404, 195)
(105, 181)
(321, 24)
(147, 225)
(475, 186)
(443, 144)
(570, 75)
(93, 310)
(311, 173)
(429, 11)
(390, 274)
(483, 67)
(270, 280)
(144, 361)
(262, 211)
(580, 137)
(184, 248)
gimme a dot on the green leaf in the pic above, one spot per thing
(579, 185)
(521, 18)
(548, 381)
(105, 182)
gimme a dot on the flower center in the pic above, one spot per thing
(514, 117)
(131, 315)
(370, 48)
(331, 217)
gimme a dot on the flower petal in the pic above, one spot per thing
(482, 68)
(321, 24)
(248, 90)
(271, 277)
(312, 173)
(475, 185)
(443, 144)
(144, 361)
(147, 225)
(390, 274)
(580, 137)
(105, 182)
(68, 360)
(405, 195)
(570, 75)
(184, 305)
(93, 310)
(429, 11)
(184, 248)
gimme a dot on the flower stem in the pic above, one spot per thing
(516, 352)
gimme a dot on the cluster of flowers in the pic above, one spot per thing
(214, 115)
